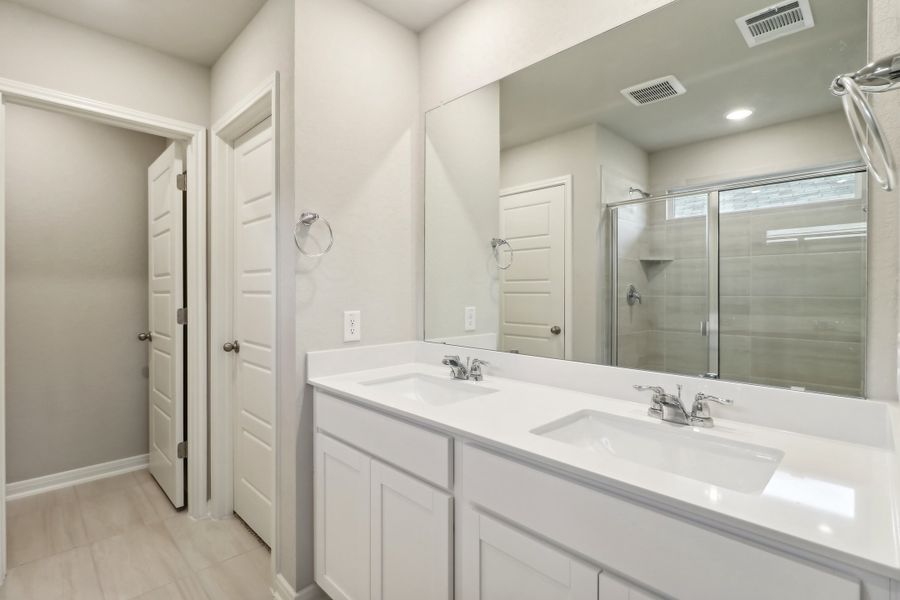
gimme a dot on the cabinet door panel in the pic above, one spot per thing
(411, 539)
(510, 565)
(613, 588)
(342, 520)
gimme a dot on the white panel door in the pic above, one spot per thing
(253, 391)
(532, 290)
(342, 520)
(411, 540)
(166, 251)
(510, 565)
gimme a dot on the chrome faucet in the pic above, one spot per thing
(669, 407)
(458, 370)
(470, 370)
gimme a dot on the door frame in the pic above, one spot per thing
(260, 104)
(566, 182)
(194, 138)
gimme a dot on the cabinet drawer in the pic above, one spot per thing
(414, 449)
(661, 552)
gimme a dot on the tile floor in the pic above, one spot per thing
(120, 539)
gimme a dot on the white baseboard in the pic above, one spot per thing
(39, 485)
(284, 591)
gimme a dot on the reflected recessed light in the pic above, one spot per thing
(739, 114)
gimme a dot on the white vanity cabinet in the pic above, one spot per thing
(411, 537)
(389, 494)
(342, 520)
(502, 563)
(381, 534)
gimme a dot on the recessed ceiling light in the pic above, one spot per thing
(739, 114)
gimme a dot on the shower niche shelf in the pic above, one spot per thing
(656, 259)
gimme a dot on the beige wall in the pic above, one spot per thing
(462, 156)
(484, 40)
(49, 52)
(76, 292)
(817, 141)
(266, 45)
(358, 149)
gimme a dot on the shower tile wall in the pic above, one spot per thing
(792, 309)
(667, 264)
(677, 270)
(638, 344)
(793, 306)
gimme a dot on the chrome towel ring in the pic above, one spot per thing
(495, 246)
(867, 133)
(302, 229)
(882, 75)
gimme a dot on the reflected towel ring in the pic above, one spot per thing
(495, 245)
(302, 228)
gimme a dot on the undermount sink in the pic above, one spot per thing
(429, 389)
(675, 449)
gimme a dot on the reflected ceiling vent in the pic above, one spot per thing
(657, 90)
(776, 21)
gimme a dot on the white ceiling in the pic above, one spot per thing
(414, 14)
(699, 43)
(195, 30)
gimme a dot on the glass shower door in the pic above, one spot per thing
(793, 283)
(661, 275)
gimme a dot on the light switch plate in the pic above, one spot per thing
(352, 326)
(470, 318)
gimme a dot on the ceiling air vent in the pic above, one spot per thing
(654, 91)
(775, 21)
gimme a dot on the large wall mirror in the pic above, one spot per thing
(680, 194)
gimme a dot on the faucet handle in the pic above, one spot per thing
(702, 397)
(451, 360)
(658, 390)
(700, 409)
(475, 373)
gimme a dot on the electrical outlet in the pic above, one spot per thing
(352, 326)
(470, 318)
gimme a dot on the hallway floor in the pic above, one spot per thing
(120, 539)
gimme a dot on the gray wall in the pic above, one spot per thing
(42, 50)
(462, 155)
(358, 156)
(76, 223)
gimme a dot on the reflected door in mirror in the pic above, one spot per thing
(532, 289)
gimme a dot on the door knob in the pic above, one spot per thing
(234, 346)
(555, 330)
(145, 337)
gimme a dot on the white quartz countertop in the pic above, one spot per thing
(832, 498)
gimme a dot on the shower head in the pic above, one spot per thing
(878, 76)
(634, 190)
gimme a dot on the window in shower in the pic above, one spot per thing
(760, 283)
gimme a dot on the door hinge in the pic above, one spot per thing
(181, 181)
(181, 316)
(182, 450)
